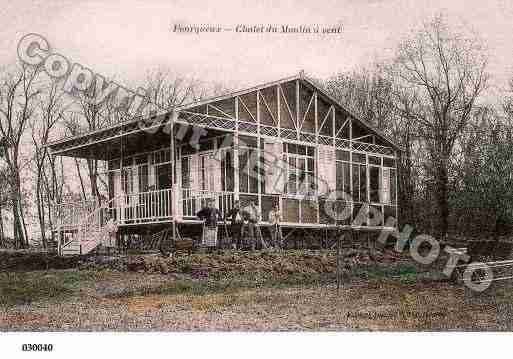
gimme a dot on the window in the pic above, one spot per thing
(300, 168)
(249, 170)
(359, 158)
(359, 193)
(226, 170)
(373, 160)
(128, 180)
(186, 172)
(374, 185)
(164, 176)
(342, 155)
(203, 172)
(142, 172)
(243, 171)
(343, 175)
(388, 162)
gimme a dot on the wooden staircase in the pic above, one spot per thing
(91, 232)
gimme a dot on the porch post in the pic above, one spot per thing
(236, 152)
(173, 177)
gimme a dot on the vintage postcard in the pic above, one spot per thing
(265, 166)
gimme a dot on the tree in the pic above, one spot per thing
(50, 109)
(445, 73)
(18, 94)
(373, 97)
(485, 188)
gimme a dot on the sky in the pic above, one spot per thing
(127, 39)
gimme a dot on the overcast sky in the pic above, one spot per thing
(125, 39)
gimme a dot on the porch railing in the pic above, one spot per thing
(143, 206)
(193, 200)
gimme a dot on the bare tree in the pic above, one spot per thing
(18, 94)
(446, 73)
(49, 113)
(373, 97)
(167, 89)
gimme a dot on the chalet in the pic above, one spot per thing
(285, 142)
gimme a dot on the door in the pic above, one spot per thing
(164, 183)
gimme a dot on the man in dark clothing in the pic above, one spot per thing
(210, 215)
(236, 221)
(252, 215)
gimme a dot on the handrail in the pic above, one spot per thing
(84, 225)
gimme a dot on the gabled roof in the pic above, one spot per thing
(299, 77)
(306, 81)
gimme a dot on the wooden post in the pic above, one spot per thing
(173, 177)
(236, 153)
(338, 263)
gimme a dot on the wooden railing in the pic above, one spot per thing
(70, 214)
(90, 229)
(194, 200)
(144, 206)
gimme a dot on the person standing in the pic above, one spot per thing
(112, 230)
(209, 215)
(236, 221)
(274, 221)
(253, 217)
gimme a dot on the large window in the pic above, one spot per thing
(249, 168)
(300, 168)
(343, 175)
(373, 177)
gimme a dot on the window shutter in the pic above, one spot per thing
(327, 169)
(274, 169)
(385, 186)
(194, 172)
(215, 171)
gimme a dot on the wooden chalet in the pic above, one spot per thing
(285, 142)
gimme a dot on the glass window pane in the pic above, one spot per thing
(356, 183)
(310, 165)
(388, 162)
(248, 141)
(359, 158)
(347, 179)
(374, 183)
(243, 177)
(340, 176)
(363, 184)
(375, 160)
(342, 155)
(301, 164)
(392, 186)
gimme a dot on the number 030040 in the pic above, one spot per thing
(37, 347)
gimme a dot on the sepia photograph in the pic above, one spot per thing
(254, 172)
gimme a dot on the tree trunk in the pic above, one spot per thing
(93, 177)
(19, 238)
(40, 210)
(2, 237)
(441, 195)
(79, 172)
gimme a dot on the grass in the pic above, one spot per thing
(404, 272)
(27, 287)
(226, 285)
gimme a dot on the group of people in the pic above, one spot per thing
(243, 221)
